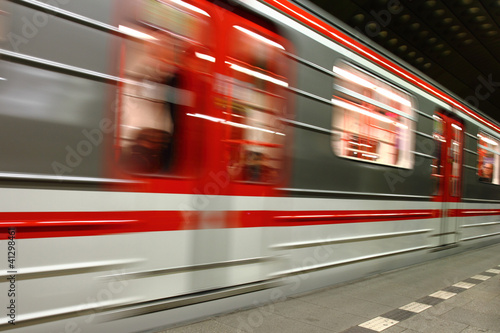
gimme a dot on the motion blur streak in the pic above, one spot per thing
(165, 160)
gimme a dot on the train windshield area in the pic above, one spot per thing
(374, 119)
(488, 159)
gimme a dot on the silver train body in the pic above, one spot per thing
(342, 218)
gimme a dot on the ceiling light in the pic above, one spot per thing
(358, 18)
(439, 12)
(392, 41)
(404, 18)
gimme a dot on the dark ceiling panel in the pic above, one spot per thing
(455, 42)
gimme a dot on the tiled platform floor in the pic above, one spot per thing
(460, 293)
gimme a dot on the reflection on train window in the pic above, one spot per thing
(373, 118)
(455, 159)
(488, 159)
(169, 48)
(437, 163)
(254, 103)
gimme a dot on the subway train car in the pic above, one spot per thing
(167, 160)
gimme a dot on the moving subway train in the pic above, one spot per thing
(165, 160)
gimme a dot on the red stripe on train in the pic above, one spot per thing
(360, 216)
(476, 212)
(67, 224)
(70, 224)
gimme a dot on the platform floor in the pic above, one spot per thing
(459, 293)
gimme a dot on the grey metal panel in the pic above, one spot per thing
(95, 9)
(425, 135)
(425, 124)
(317, 167)
(474, 189)
(320, 84)
(471, 151)
(44, 116)
(470, 139)
(469, 159)
(38, 34)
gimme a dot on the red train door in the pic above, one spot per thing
(252, 104)
(447, 171)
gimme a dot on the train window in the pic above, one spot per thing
(488, 159)
(170, 47)
(255, 104)
(373, 118)
(455, 158)
(437, 163)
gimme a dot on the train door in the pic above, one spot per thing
(249, 96)
(447, 172)
(254, 104)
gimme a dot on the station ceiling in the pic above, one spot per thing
(454, 42)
